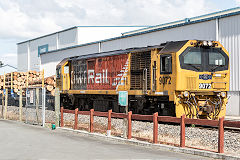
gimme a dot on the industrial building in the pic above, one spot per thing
(29, 51)
(224, 26)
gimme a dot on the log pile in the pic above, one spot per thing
(22, 80)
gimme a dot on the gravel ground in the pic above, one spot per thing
(29, 114)
(195, 137)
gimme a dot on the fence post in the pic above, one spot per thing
(20, 105)
(57, 106)
(91, 120)
(109, 123)
(61, 117)
(76, 119)
(6, 104)
(155, 127)
(182, 132)
(129, 136)
(2, 103)
(43, 105)
(221, 136)
(37, 104)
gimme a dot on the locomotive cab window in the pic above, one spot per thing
(58, 72)
(166, 64)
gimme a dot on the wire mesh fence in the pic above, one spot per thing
(31, 105)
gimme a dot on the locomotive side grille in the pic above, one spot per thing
(79, 75)
(140, 61)
(191, 82)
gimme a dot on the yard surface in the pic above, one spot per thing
(22, 141)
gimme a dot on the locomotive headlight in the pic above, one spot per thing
(210, 43)
(205, 43)
(186, 93)
(223, 94)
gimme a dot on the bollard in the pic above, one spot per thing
(91, 120)
(155, 127)
(62, 117)
(129, 136)
(109, 123)
(221, 136)
(76, 119)
(182, 133)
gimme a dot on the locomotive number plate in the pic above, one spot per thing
(205, 85)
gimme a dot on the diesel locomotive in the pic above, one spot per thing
(188, 77)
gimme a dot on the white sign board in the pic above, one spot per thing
(31, 96)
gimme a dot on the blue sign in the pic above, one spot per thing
(42, 49)
(27, 93)
(12, 94)
(4, 92)
(123, 98)
(205, 76)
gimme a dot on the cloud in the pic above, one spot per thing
(25, 19)
(30, 18)
(237, 2)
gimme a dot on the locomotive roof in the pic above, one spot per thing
(168, 47)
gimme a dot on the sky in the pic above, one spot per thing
(26, 19)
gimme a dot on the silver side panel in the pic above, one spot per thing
(229, 36)
(50, 61)
(204, 30)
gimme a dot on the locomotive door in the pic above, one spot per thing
(166, 72)
(66, 77)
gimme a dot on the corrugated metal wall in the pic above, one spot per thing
(204, 30)
(229, 36)
(33, 48)
(50, 61)
(22, 59)
(54, 41)
(68, 38)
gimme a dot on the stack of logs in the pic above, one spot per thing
(22, 80)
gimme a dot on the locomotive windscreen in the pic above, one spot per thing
(204, 59)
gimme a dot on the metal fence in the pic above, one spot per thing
(29, 105)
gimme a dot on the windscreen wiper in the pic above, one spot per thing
(212, 69)
(192, 65)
